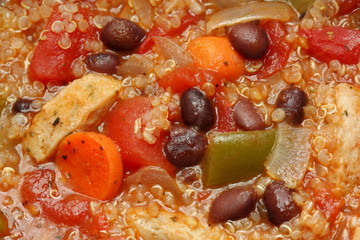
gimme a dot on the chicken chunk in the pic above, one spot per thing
(341, 132)
(76, 106)
(163, 225)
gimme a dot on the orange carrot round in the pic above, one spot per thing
(216, 53)
(90, 163)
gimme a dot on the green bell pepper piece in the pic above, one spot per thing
(301, 5)
(4, 227)
(236, 156)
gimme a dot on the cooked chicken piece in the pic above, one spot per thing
(159, 224)
(342, 134)
(76, 106)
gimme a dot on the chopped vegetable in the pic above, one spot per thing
(289, 159)
(346, 6)
(37, 189)
(278, 51)
(81, 103)
(90, 164)
(216, 53)
(325, 199)
(57, 49)
(150, 176)
(225, 112)
(230, 3)
(135, 152)
(236, 156)
(251, 11)
(172, 50)
(334, 43)
(182, 79)
(4, 226)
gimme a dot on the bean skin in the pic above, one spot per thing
(247, 117)
(122, 35)
(103, 62)
(292, 100)
(185, 147)
(279, 203)
(249, 39)
(233, 204)
(197, 110)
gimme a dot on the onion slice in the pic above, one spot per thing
(231, 3)
(290, 156)
(252, 11)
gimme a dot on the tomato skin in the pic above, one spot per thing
(225, 114)
(135, 152)
(325, 199)
(182, 79)
(346, 6)
(278, 50)
(334, 43)
(50, 62)
(71, 210)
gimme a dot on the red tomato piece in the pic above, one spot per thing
(334, 43)
(186, 21)
(51, 62)
(325, 199)
(135, 152)
(70, 210)
(96, 224)
(188, 77)
(225, 114)
(346, 6)
(278, 50)
(149, 42)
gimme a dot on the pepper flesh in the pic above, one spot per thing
(236, 156)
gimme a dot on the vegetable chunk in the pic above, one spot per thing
(75, 107)
(90, 164)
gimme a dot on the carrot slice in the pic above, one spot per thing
(216, 53)
(90, 164)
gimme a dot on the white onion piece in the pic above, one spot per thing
(150, 176)
(231, 3)
(136, 65)
(290, 156)
(172, 50)
(144, 10)
(252, 11)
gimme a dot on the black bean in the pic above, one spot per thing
(197, 110)
(122, 35)
(103, 62)
(233, 204)
(279, 203)
(292, 100)
(249, 39)
(22, 105)
(247, 116)
(185, 147)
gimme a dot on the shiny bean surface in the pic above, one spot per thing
(279, 203)
(103, 62)
(232, 204)
(246, 116)
(293, 101)
(249, 39)
(197, 110)
(122, 35)
(185, 146)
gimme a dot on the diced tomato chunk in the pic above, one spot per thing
(188, 77)
(225, 113)
(135, 152)
(278, 50)
(55, 53)
(346, 6)
(334, 43)
(325, 199)
(36, 188)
